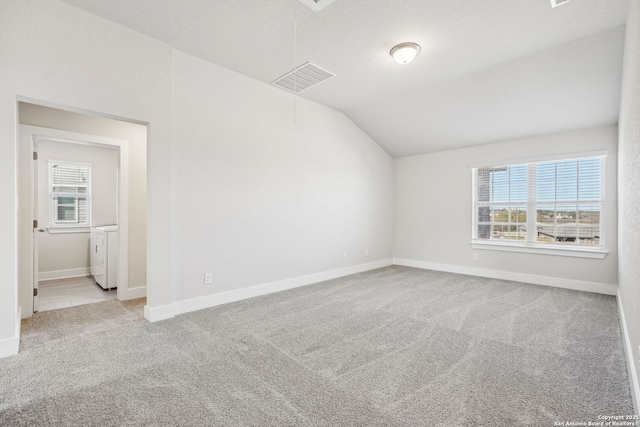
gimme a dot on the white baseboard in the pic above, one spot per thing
(631, 368)
(63, 274)
(154, 314)
(10, 346)
(578, 285)
(213, 300)
(132, 293)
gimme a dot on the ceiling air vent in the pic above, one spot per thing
(316, 5)
(303, 77)
(554, 3)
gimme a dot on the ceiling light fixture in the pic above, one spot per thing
(556, 3)
(316, 5)
(405, 53)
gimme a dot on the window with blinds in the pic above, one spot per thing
(549, 202)
(69, 193)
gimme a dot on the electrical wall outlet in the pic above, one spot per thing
(475, 256)
(208, 278)
(366, 252)
(344, 255)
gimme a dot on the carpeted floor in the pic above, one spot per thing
(395, 346)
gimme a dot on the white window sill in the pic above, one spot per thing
(66, 230)
(558, 250)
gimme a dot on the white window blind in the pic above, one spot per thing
(69, 194)
(550, 202)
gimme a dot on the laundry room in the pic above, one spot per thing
(85, 185)
(76, 191)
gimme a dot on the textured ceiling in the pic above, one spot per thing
(489, 70)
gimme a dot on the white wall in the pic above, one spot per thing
(70, 251)
(433, 208)
(629, 185)
(136, 134)
(57, 54)
(258, 198)
(261, 198)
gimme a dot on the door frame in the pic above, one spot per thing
(35, 237)
(27, 282)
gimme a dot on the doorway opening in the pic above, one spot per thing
(76, 191)
(82, 209)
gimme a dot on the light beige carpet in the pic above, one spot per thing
(395, 346)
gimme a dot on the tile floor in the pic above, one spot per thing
(63, 293)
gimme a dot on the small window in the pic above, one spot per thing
(69, 194)
(557, 203)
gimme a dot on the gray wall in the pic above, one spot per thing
(260, 198)
(433, 210)
(629, 189)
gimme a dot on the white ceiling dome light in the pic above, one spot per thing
(404, 53)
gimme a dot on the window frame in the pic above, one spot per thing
(560, 249)
(68, 226)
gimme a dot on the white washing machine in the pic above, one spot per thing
(103, 260)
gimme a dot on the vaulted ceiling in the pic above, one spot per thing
(489, 70)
